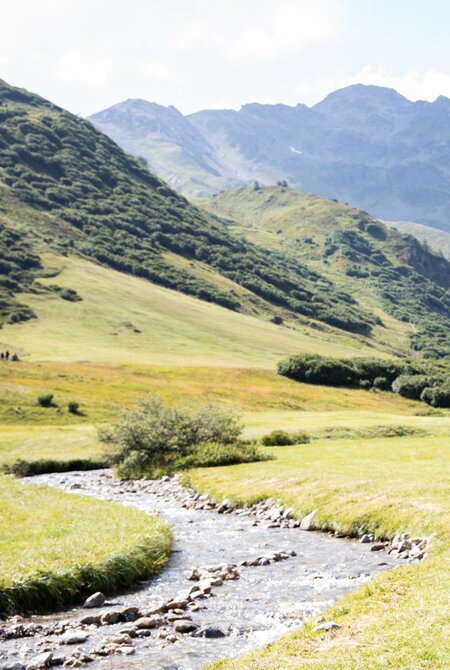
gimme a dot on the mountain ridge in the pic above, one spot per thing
(366, 145)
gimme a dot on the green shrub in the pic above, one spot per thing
(46, 400)
(381, 383)
(281, 438)
(153, 435)
(411, 386)
(436, 396)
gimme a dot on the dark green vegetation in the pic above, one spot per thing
(376, 264)
(95, 200)
(42, 466)
(281, 438)
(154, 439)
(413, 379)
(365, 145)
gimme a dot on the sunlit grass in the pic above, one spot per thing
(54, 545)
(382, 485)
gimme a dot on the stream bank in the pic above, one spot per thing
(234, 582)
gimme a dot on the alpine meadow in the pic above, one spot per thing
(224, 338)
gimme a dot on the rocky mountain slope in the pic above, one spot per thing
(365, 145)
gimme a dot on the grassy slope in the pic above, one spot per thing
(44, 539)
(335, 240)
(174, 328)
(387, 485)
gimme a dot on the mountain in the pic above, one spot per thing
(365, 145)
(169, 142)
(67, 188)
(378, 265)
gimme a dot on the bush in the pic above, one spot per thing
(437, 396)
(152, 435)
(73, 407)
(277, 320)
(46, 400)
(281, 438)
(381, 383)
(411, 386)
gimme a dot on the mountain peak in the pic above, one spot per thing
(362, 95)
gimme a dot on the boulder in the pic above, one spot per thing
(74, 637)
(307, 523)
(149, 622)
(95, 600)
(211, 632)
(40, 662)
(185, 626)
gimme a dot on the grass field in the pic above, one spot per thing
(385, 486)
(174, 329)
(186, 351)
(55, 547)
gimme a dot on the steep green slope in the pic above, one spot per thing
(106, 205)
(378, 265)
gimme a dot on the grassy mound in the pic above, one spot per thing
(56, 548)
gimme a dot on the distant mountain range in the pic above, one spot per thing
(365, 145)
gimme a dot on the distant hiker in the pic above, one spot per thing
(14, 357)
(2, 356)
(7, 356)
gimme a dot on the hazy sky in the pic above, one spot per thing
(88, 54)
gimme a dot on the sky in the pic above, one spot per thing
(86, 55)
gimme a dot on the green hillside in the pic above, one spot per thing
(125, 319)
(380, 267)
(437, 239)
(91, 198)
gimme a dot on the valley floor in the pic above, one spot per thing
(375, 460)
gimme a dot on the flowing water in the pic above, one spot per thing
(264, 604)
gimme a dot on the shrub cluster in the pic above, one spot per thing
(153, 438)
(417, 380)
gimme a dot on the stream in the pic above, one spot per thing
(266, 602)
